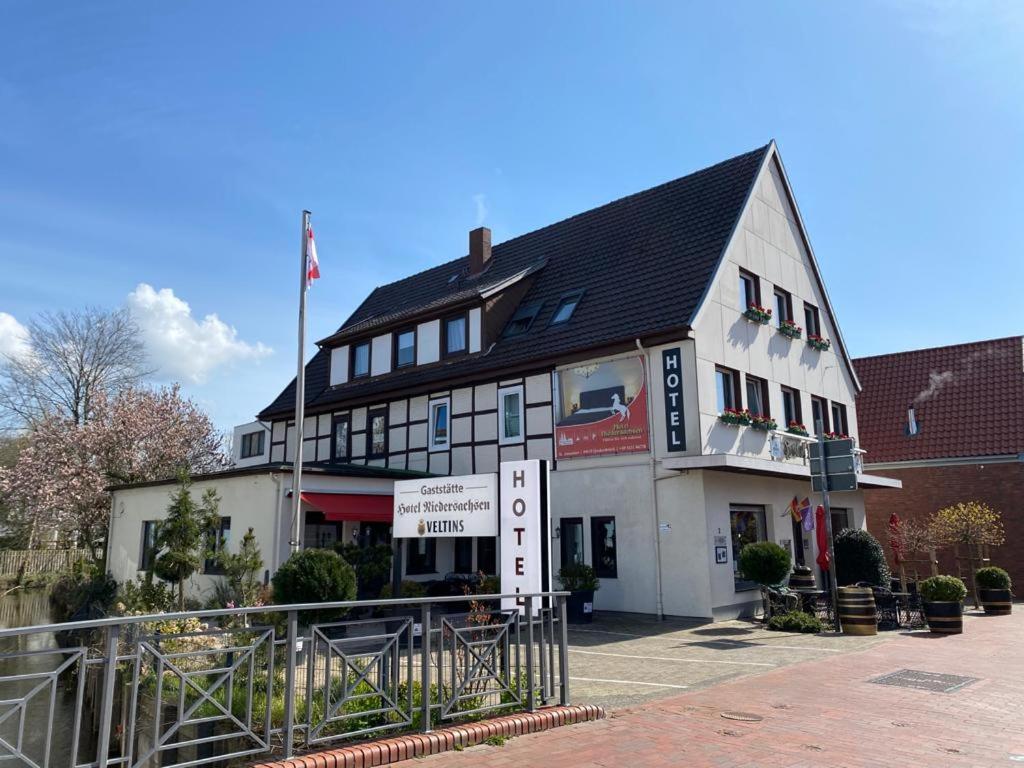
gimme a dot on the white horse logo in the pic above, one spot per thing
(619, 408)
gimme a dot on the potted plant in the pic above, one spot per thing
(581, 580)
(757, 314)
(736, 417)
(767, 564)
(836, 436)
(764, 423)
(994, 590)
(860, 559)
(796, 428)
(820, 343)
(790, 329)
(943, 604)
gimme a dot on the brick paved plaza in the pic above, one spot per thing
(818, 712)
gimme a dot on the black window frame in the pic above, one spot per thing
(601, 569)
(812, 320)
(395, 348)
(573, 297)
(487, 555)
(798, 415)
(246, 450)
(762, 387)
(445, 351)
(370, 416)
(787, 305)
(352, 360)
(417, 565)
(735, 387)
(147, 551)
(335, 423)
(210, 565)
(822, 404)
(843, 427)
(563, 539)
(755, 282)
(527, 312)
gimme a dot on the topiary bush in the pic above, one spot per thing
(859, 557)
(940, 589)
(992, 577)
(765, 562)
(578, 577)
(314, 576)
(371, 564)
(796, 621)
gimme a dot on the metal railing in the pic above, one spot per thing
(232, 686)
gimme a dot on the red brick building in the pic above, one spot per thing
(949, 423)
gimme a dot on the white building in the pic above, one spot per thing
(564, 344)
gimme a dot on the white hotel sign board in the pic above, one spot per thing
(446, 506)
(525, 531)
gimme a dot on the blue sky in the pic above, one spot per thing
(172, 146)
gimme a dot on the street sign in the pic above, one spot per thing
(832, 448)
(846, 481)
(834, 465)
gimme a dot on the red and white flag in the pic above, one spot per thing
(312, 262)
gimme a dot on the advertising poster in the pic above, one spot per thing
(602, 409)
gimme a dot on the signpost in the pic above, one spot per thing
(525, 531)
(832, 469)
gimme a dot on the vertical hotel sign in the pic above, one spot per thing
(525, 531)
(672, 383)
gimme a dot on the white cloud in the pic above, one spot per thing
(480, 201)
(180, 346)
(13, 337)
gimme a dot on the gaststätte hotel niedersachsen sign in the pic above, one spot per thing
(602, 409)
(446, 506)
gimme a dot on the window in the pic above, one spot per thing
(377, 434)
(791, 410)
(361, 360)
(727, 386)
(757, 396)
(750, 290)
(148, 554)
(405, 348)
(320, 535)
(252, 444)
(422, 556)
(839, 419)
(487, 555)
(747, 525)
(566, 306)
(570, 536)
(812, 320)
(783, 306)
(840, 520)
(455, 342)
(818, 413)
(522, 319)
(217, 542)
(510, 415)
(463, 555)
(340, 447)
(602, 547)
(439, 424)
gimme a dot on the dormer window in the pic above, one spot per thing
(522, 319)
(361, 360)
(455, 336)
(566, 306)
(405, 348)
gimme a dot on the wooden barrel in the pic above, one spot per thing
(857, 611)
(945, 618)
(801, 578)
(996, 602)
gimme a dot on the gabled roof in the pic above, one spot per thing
(644, 263)
(968, 400)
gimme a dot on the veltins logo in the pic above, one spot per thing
(421, 528)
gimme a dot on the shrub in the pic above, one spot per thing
(859, 557)
(796, 621)
(314, 576)
(83, 594)
(764, 562)
(146, 595)
(940, 589)
(578, 577)
(371, 564)
(409, 589)
(991, 577)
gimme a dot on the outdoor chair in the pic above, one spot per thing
(887, 609)
(779, 600)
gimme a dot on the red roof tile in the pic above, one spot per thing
(968, 400)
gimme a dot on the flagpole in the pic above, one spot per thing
(300, 394)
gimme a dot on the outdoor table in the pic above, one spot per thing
(807, 597)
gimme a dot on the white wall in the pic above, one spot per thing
(380, 355)
(339, 365)
(428, 342)
(236, 444)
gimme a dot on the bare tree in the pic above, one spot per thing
(72, 358)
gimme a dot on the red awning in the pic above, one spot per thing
(364, 507)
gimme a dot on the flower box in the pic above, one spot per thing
(790, 329)
(836, 436)
(817, 342)
(756, 314)
(796, 428)
(764, 423)
(736, 417)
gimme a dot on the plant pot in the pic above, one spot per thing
(802, 578)
(996, 602)
(580, 606)
(857, 611)
(945, 617)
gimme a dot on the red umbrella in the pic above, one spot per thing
(896, 538)
(822, 533)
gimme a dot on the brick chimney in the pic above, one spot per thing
(479, 250)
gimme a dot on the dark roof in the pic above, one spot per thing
(334, 470)
(644, 263)
(968, 400)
